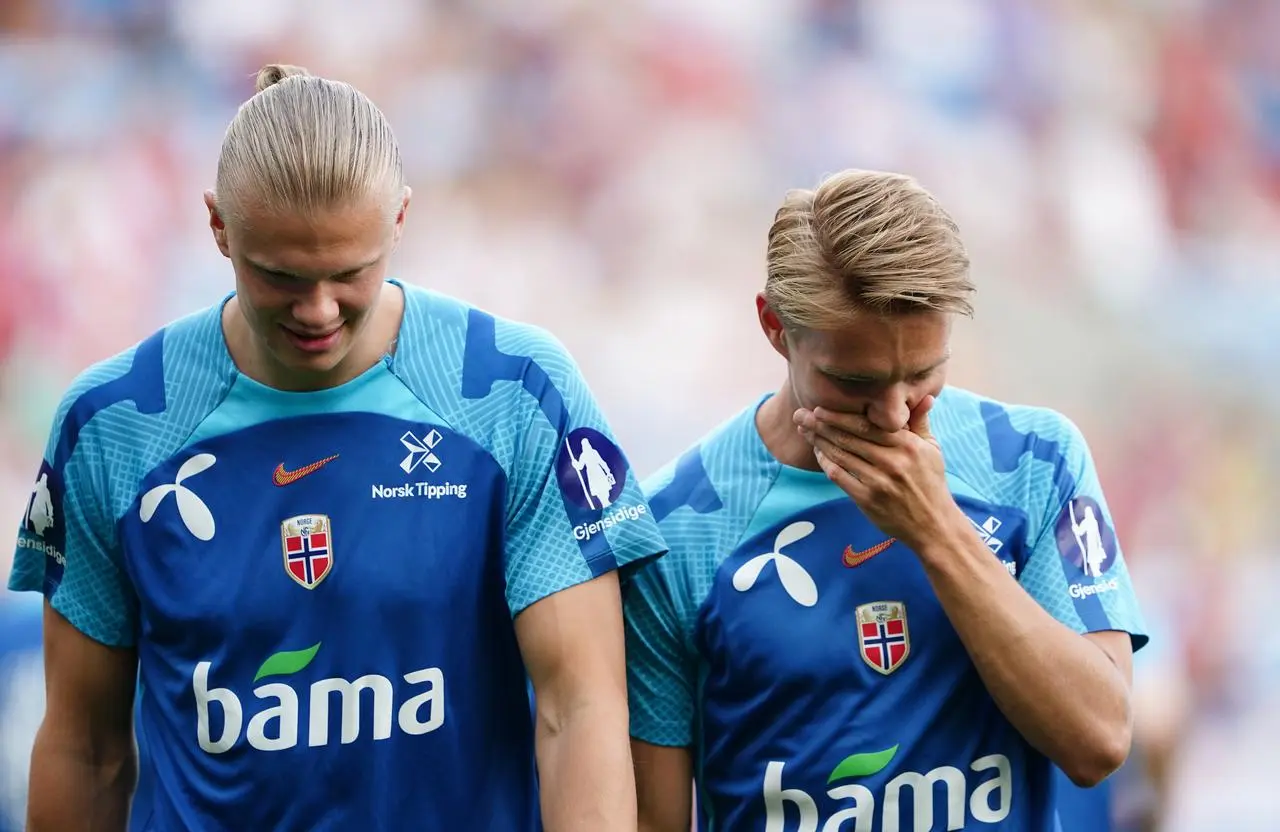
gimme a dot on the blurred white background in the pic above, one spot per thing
(609, 171)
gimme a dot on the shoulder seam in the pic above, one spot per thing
(738, 537)
(734, 541)
(450, 420)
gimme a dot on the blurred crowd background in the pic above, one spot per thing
(609, 171)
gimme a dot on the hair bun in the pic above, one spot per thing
(272, 74)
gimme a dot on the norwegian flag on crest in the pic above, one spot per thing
(307, 541)
(883, 638)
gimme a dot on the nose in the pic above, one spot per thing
(890, 410)
(316, 309)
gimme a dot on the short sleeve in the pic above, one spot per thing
(575, 510)
(661, 669)
(1076, 568)
(67, 547)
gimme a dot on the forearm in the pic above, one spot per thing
(1062, 692)
(75, 790)
(584, 765)
(664, 787)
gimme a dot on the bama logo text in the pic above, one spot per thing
(854, 807)
(370, 702)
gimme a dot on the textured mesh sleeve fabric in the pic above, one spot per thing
(67, 547)
(1076, 568)
(575, 509)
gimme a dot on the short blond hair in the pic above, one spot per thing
(864, 240)
(305, 143)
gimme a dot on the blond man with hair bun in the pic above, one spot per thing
(888, 604)
(331, 534)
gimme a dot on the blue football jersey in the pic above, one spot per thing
(1081, 809)
(321, 585)
(804, 658)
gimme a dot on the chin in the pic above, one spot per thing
(296, 360)
(324, 362)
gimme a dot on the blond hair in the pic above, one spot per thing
(864, 240)
(305, 143)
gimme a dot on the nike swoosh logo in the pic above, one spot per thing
(852, 558)
(282, 477)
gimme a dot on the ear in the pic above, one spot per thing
(400, 215)
(216, 223)
(772, 327)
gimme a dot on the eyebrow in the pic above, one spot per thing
(265, 269)
(881, 377)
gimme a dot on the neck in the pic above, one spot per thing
(774, 421)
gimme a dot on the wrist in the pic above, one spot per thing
(952, 536)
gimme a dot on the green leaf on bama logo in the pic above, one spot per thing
(286, 662)
(862, 765)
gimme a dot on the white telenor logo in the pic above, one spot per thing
(194, 513)
(41, 514)
(1089, 539)
(795, 580)
(420, 451)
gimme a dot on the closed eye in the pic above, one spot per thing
(290, 279)
(279, 278)
(853, 385)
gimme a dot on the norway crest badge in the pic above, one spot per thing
(307, 541)
(883, 638)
